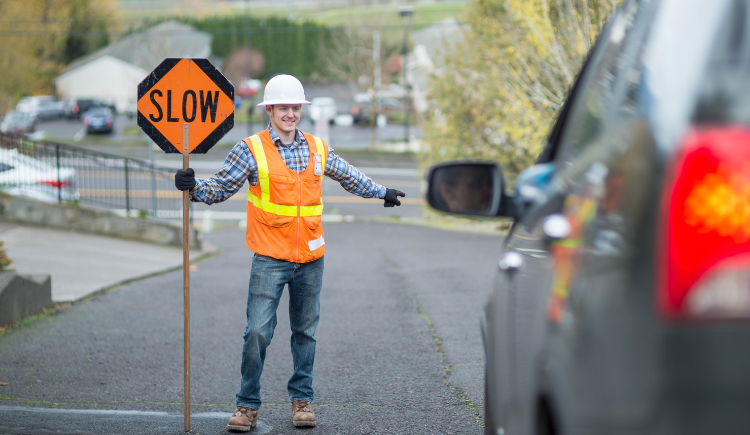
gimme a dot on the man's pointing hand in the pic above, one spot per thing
(184, 179)
(391, 197)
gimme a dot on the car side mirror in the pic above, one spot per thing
(469, 188)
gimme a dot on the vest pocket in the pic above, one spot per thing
(312, 222)
(270, 219)
(283, 189)
(311, 191)
(311, 196)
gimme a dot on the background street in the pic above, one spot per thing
(399, 348)
(394, 170)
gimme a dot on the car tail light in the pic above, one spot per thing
(75, 109)
(705, 257)
(56, 184)
(86, 122)
(355, 111)
(109, 120)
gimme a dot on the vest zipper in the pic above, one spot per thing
(299, 217)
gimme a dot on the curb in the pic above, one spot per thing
(25, 211)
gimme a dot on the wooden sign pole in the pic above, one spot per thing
(186, 78)
(186, 270)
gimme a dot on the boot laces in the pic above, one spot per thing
(241, 410)
(303, 406)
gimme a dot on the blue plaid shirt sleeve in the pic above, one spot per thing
(238, 167)
(350, 178)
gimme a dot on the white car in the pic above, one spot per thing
(16, 122)
(323, 108)
(27, 176)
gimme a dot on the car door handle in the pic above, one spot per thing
(510, 262)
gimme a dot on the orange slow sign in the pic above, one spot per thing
(185, 91)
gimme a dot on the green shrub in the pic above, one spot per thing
(4, 260)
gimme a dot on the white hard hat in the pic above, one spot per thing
(283, 89)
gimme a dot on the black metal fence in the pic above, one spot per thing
(58, 172)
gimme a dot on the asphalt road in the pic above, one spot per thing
(399, 348)
(344, 137)
(95, 185)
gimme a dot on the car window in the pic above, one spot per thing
(723, 96)
(596, 99)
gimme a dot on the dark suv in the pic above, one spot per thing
(622, 298)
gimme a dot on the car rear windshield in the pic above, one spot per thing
(724, 96)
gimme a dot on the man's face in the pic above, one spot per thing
(472, 192)
(284, 117)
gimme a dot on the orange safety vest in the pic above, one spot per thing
(285, 207)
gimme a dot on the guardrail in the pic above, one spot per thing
(51, 172)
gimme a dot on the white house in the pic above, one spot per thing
(113, 73)
(431, 46)
(106, 78)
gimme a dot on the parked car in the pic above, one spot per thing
(16, 122)
(132, 109)
(99, 120)
(27, 104)
(362, 107)
(41, 107)
(323, 108)
(622, 298)
(28, 176)
(48, 110)
(248, 88)
(77, 107)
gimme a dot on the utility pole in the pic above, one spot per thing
(248, 45)
(406, 12)
(375, 109)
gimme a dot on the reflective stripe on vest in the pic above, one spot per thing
(264, 202)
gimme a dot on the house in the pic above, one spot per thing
(431, 46)
(113, 73)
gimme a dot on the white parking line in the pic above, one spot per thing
(81, 133)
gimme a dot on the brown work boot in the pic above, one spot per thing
(303, 414)
(243, 419)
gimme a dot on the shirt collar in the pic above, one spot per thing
(276, 139)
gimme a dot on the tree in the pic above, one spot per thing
(87, 32)
(502, 88)
(39, 37)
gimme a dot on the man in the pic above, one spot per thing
(465, 189)
(284, 208)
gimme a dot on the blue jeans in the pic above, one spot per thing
(267, 280)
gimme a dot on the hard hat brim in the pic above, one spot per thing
(287, 102)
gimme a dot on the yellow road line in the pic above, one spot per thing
(120, 193)
(239, 197)
(147, 176)
(358, 199)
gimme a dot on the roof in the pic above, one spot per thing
(147, 49)
(437, 37)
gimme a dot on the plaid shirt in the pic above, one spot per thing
(241, 165)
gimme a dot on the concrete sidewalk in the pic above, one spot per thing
(82, 264)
